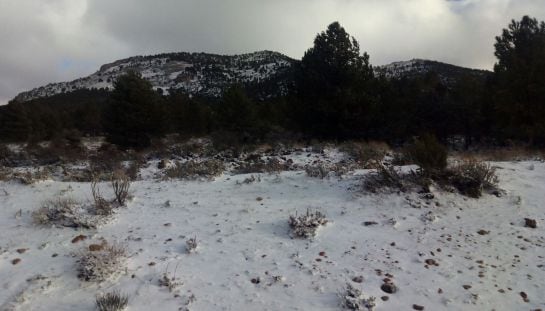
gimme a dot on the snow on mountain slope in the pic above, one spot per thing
(448, 73)
(194, 73)
(246, 260)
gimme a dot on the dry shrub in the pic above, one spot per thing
(306, 226)
(384, 177)
(64, 212)
(471, 177)
(365, 153)
(191, 244)
(114, 301)
(195, 169)
(271, 166)
(31, 177)
(120, 185)
(353, 299)
(98, 266)
(170, 282)
(323, 171)
(100, 204)
(428, 154)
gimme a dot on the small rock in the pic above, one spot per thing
(259, 199)
(389, 288)
(524, 297)
(370, 223)
(530, 223)
(418, 307)
(79, 238)
(357, 279)
(385, 298)
(431, 262)
(466, 286)
(22, 250)
(256, 280)
(483, 232)
(15, 261)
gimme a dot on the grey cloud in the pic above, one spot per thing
(51, 40)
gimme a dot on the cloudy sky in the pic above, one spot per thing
(44, 41)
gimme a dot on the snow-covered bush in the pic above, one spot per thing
(64, 212)
(353, 299)
(100, 265)
(114, 301)
(471, 177)
(194, 169)
(306, 226)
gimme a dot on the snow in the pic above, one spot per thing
(243, 235)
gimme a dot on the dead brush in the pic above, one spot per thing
(384, 177)
(114, 301)
(100, 204)
(170, 282)
(98, 266)
(353, 299)
(317, 171)
(471, 177)
(270, 166)
(120, 185)
(306, 226)
(191, 245)
(366, 153)
(196, 169)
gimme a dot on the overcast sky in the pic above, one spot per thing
(44, 41)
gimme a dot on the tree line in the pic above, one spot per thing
(336, 96)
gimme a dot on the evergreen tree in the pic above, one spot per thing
(135, 114)
(520, 79)
(333, 85)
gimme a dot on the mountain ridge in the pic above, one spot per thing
(267, 73)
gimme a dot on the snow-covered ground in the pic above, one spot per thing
(443, 253)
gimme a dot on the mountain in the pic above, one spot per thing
(414, 68)
(265, 74)
(199, 74)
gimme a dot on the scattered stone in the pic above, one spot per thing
(357, 279)
(524, 297)
(466, 286)
(256, 280)
(168, 224)
(483, 232)
(432, 262)
(385, 298)
(15, 261)
(440, 291)
(54, 255)
(79, 238)
(530, 223)
(321, 254)
(389, 288)
(22, 250)
(370, 223)
(151, 264)
(418, 307)
(259, 199)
